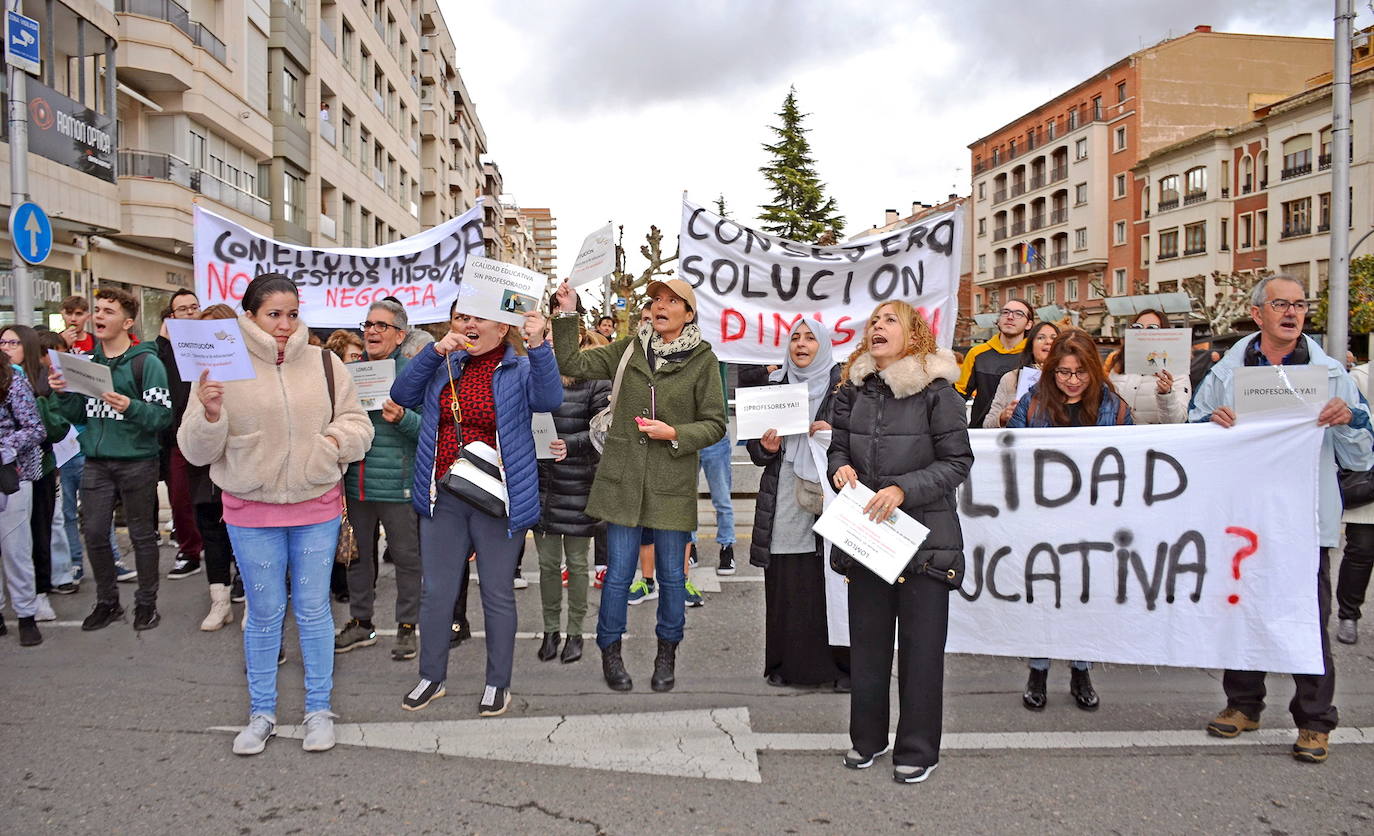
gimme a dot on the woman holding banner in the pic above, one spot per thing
(1038, 343)
(1153, 398)
(797, 648)
(900, 429)
(1078, 395)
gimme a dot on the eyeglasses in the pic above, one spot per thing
(1010, 313)
(1138, 326)
(185, 310)
(1071, 374)
(9, 343)
(379, 325)
(1283, 305)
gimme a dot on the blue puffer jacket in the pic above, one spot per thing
(521, 386)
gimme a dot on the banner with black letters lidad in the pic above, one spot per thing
(752, 287)
(1187, 545)
(337, 286)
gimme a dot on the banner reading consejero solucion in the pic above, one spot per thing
(337, 286)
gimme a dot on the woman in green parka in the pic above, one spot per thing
(670, 404)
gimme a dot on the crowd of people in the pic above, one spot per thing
(282, 484)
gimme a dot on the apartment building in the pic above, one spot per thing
(544, 227)
(1054, 194)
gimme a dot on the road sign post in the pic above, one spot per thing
(22, 42)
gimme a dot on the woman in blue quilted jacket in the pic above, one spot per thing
(481, 383)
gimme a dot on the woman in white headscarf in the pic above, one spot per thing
(797, 649)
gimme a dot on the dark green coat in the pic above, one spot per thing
(642, 482)
(386, 472)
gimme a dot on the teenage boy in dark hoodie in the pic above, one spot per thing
(121, 448)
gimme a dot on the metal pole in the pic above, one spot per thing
(21, 287)
(1338, 273)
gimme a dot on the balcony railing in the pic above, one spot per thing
(234, 197)
(1325, 227)
(1194, 197)
(1018, 189)
(1264, 184)
(1295, 171)
(1166, 255)
(1059, 216)
(1018, 227)
(999, 195)
(1225, 192)
(1295, 230)
(327, 132)
(327, 227)
(329, 40)
(1037, 180)
(1166, 205)
(980, 167)
(999, 272)
(157, 165)
(998, 233)
(1059, 259)
(1037, 221)
(1324, 162)
(1195, 250)
(177, 15)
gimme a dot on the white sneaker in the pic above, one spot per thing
(44, 612)
(253, 738)
(319, 731)
(521, 583)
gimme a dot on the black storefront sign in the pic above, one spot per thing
(68, 132)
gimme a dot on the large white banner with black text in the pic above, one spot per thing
(752, 287)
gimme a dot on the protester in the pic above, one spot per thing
(66, 553)
(605, 326)
(716, 467)
(900, 429)
(76, 312)
(488, 395)
(183, 305)
(1158, 398)
(208, 500)
(1037, 348)
(275, 444)
(347, 344)
(378, 490)
(669, 407)
(1357, 562)
(21, 438)
(797, 647)
(121, 448)
(1278, 305)
(986, 363)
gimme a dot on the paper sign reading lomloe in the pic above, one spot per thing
(782, 408)
(374, 381)
(1148, 351)
(1266, 388)
(885, 548)
(595, 259)
(214, 344)
(85, 377)
(545, 434)
(1029, 377)
(498, 291)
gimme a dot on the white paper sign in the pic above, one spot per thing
(595, 259)
(545, 433)
(64, 450)
(1029, 377)
(83, 376)
(1266, 388)
(503, 292)
(374, 381)
(783, 408)
(214, 344)
(1149, 350)
(885, 548)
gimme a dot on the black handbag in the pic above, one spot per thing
(9, 478)
(1357, 487)
(476, 476)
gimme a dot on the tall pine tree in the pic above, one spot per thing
(800, 210)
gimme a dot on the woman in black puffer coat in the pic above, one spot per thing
(564, 532)
(900, 429)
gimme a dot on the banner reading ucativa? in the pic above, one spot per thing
(337, 286)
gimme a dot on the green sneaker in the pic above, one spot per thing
(643, 590)
(694, 597)
(354, 634)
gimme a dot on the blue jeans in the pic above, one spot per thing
(715, 463)
(71, 521)
(1044, 664)
(264, 555)
(622, 546)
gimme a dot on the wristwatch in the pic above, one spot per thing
(562, 314)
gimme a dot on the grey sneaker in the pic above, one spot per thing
(406, 644)
(1348, 632)
(354, 634)
(319, 731)
(253, 738)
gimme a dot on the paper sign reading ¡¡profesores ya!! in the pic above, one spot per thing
(498, 291)
(1266, 388)
(759, 409)
(214, 344)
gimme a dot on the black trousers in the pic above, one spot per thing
(219, 552)
(917, 611)
(1311, 705)
(1356, 566)
(40, 523)
(135, 484)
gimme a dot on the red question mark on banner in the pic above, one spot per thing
(1242, 553)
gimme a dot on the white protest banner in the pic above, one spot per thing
(885, 548)
(1029, 377)
(595, 259)
(783, 408)
(214, 344)
(1266, 388)
(1149, 350)
(545, 434)
(1174, 544)
(503, 292)
(752, 287)
(373, 381)
(83, 376)
(337, 286)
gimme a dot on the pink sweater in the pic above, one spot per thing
(246, 513)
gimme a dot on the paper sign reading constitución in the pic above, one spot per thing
(1265, 388)
(498, 291)
(214, 344)
(545, 434)
(374, 381)
(759, 409)
(596, 258)
(85, 377)
(885, 548)
(1150, 350)
(1029, 377)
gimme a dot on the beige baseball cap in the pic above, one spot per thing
(677, 287)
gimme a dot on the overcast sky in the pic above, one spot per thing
(609, 110)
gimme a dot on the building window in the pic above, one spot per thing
(1011, 149)
(1011, 293)
(1324, 212)
(1247, 226)
(1195, 238)
(1120, 91)
(290, 92)
(1119, 282)
(1262, 228)
(1168, 244)
(1297, 157)
(1119, 236)
(1144, 250)
(1121, 138)
(1080, 194)
(1120, 185)
(346, 126)
(1051, 293)
(982, 226)
(1297, 217)
(293, 199)
(197, 150)
(1050, 129)
(1195, 184)
(1080, 149)
(982, 190)
(1094, 290)
(982, 264)
(1080, 238)
(1071, 290)
(1225, 236)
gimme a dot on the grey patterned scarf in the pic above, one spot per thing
(657, 349)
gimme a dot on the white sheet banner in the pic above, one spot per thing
(338, 286)
(752, 287)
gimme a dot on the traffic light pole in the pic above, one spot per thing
(21, 285)
(1338, 271)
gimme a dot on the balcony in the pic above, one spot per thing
(999, 272)
(1018, 227)
(327, 132)
(145, 46)
(1295, 171)
(1195, 250)
(1324, 162)
(1037, 221)
(1194, 197)
(140, 172)
(1295, 230)
(1166, 255)
(980, 167)
(1059, 259)
(155, 165)
(1246, 187)
(1326, 227)
(999, 195)
(1061, 173)
(1018, 189)
(1225, 192)
(1166, 205)
(1037, 181)
(328, 228)
(1059, 216)
(998, 233)
(1264, 184)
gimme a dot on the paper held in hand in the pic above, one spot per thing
(1029, 377)
(545, 433)
(214, 344)
(761, 408)
(85, 377)
(1150, 350)
(498, 291)
(1266, 388)
(885, 548)
(596, 259)
(374, 381)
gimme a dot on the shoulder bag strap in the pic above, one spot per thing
(620, 374)
(454, 407)
(329, 382)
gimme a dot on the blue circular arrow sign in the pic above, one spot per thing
(31, 232)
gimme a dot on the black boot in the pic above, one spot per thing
(572, 649)
(28, 632)
(664, 663)
(1034, 698)
(613, 668)
(1081, 687)
(549, 647)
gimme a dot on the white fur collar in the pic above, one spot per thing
(910, 374)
